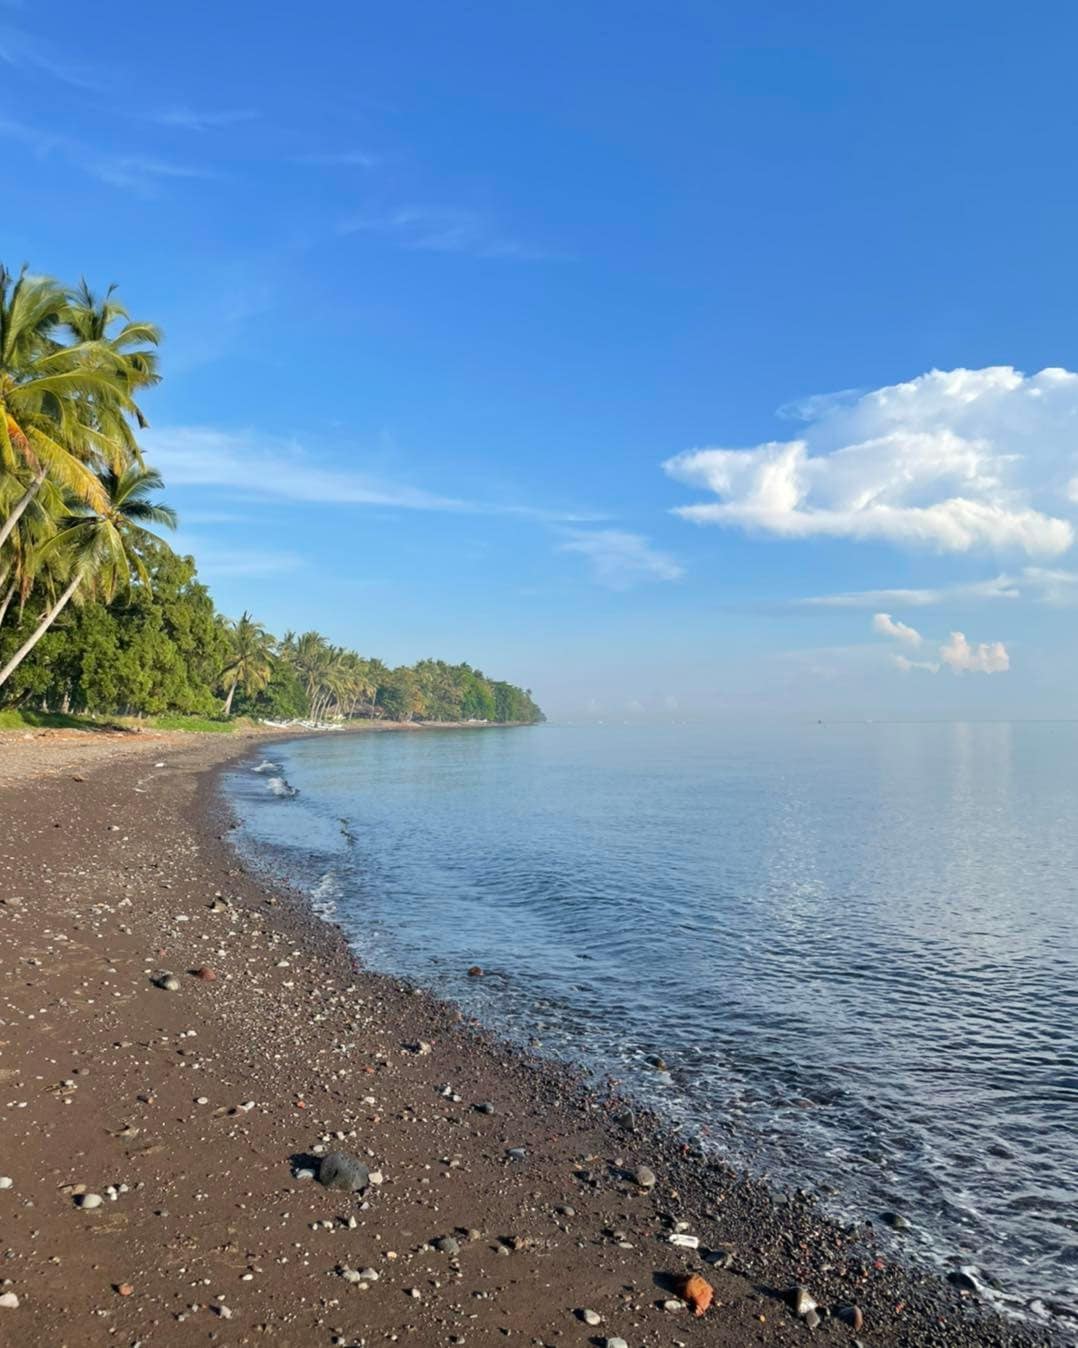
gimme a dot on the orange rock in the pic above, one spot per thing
(125, 1289)
(697, 1292)
(207, 975)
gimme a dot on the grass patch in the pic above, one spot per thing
(199, 723)
(11, 719)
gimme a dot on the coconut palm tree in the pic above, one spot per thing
(98, 548)
(66, 400)
(251, 663)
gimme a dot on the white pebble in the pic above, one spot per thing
(6, 1181)
(9, 1301)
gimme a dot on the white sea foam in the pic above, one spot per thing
(267, 766)
(279, 787)
(325, 894)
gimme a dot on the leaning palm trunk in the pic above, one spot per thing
(8, 597)
(38, 632)
(20, 506)
(231, 695)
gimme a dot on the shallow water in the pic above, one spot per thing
(855, 947)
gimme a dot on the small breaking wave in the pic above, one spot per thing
(278, 786)
(267, 766)
(325, 894)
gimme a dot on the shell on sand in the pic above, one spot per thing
(697, 1292)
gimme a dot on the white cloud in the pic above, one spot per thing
(193, 119)
(620, 560)
(1042, 585)
(953, 460)
(444, 229)
(989, 657)
(340, 159)
(886, 626)
(907, 665)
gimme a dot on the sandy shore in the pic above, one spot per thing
(194, 1104)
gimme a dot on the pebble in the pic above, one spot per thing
(673, 1305)
(812, 1319)
(645, 1177)
(369, 1274)
(90, 1201)
(516, 1153)
(686, 1242)
(484, 1107)
(895, 1221)
(206, 974)
(962, 1281)
(338, 1170)
(852, 1316)
(616, 1343)
(6, 1181)
(9, 1301)
(447, 1245)
(590, 1317)
(168, 983)
(801, 1301)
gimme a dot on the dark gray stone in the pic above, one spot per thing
(341, 1171)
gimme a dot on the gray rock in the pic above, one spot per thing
(645, 1177)
(168, 983)
(720, 1258)
(516, 1153)
(616, 1343)
(590, 1317)
(801, 1302)
(90, 1201)
(484, 1107)
(962, 1281)
(812, 1319)
(338, 1170)
(852, 1316)
(895, 1221)
(446, 1245)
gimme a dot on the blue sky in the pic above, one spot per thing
(465, 302)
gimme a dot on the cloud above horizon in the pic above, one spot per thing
(954, 460)
(956, 653)
(620, 560)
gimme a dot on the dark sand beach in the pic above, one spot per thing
(189, 1112)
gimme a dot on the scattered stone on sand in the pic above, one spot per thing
(673, 1304)
(812, 1319)
(590, 1317)
(420, 1047)
(801, 1301)
(9, 1301)
(369, 1274)
(720, 1258)
(645, 1177)
(895, 1221)
(516, 1153)
(962, 1281)
(686, 1242)
(125, 1289)
(447, 1245)
(852, 1316)
(6, 1181)
(338, 1170)
(615, 1343)
(168, 983)
(89, 1200)
(225, 1312)
(206, 974)
(484, 1107)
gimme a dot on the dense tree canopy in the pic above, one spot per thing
(97, 614)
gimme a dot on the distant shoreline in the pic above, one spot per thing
(111, 878)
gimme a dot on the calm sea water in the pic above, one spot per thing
(855, 947)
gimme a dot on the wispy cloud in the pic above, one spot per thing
(953, 460)
(24, 52)
(195, 119)
(444, 229)
(339, 159)
(885, 626)
(620, 560)
(132, 172)
(1041, 585)
(256, 467)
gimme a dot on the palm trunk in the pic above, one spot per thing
(20, 505)
(38, 632)
(7, 600)
(231, 695)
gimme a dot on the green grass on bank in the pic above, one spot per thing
(11, 719)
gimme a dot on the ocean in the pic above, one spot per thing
(845, 957)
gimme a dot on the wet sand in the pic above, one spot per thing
(198, 1105)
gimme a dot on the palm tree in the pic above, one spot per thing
(252, 659)
(66, 389)
(99, 547)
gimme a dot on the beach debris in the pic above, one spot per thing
(645, 1177)
(167, 982)
(801, 1301)
(446, 1245)
(590, 1317)
(852, 1316)
(686, 1242)
(516, 1153)
(338, 1170)
(9, 1301)
(89, 1201)
(696, 1292)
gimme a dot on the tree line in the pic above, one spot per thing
(97, 614)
